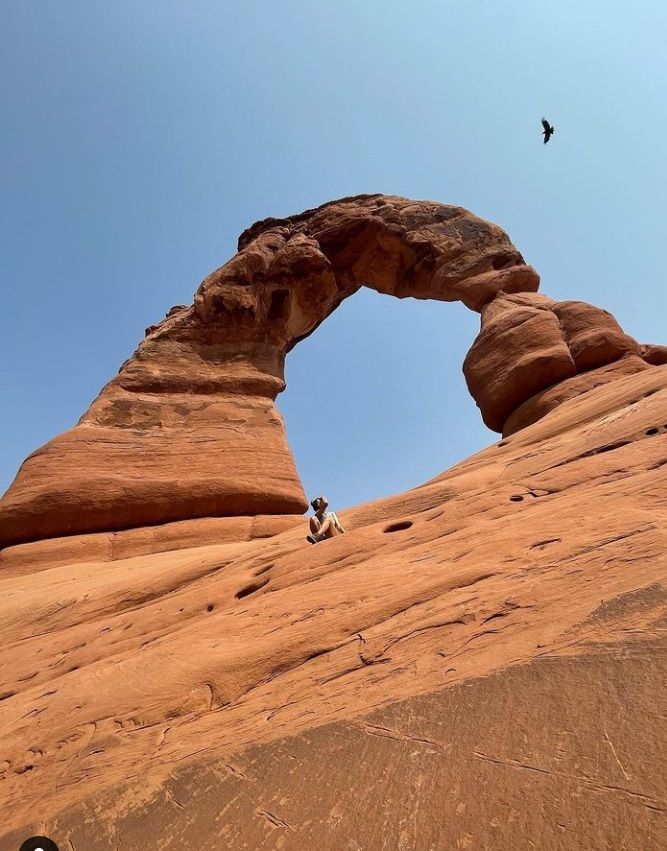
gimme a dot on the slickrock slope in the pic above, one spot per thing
(479, 664)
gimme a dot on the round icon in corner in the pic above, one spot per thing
(39, 843)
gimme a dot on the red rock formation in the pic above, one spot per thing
(532, 353)
(189, 428)
(478, 664)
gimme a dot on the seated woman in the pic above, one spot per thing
(324, 524)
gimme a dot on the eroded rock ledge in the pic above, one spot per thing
(189, 427)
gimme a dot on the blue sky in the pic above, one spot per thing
(140, 137)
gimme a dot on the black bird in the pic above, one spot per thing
(548, 131)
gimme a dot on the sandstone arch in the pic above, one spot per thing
(189, 427)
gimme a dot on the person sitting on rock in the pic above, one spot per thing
(324, 524)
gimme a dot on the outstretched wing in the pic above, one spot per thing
(548, 130)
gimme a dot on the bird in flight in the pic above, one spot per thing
(548, 131)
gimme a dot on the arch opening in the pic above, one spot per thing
(376, 401)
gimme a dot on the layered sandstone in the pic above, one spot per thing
(532, 353)
(478, 664)
(189, 428)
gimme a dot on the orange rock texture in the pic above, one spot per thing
(189, 427)
(530, 344)
(478, 664)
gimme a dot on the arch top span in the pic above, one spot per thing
(298, 269)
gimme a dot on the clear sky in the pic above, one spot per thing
(139, 137)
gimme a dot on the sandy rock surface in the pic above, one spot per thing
(478, 664)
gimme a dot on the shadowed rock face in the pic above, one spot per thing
(189, 429)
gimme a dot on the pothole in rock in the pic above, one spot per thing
(400, 526)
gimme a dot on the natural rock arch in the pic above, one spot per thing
(189, 427)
